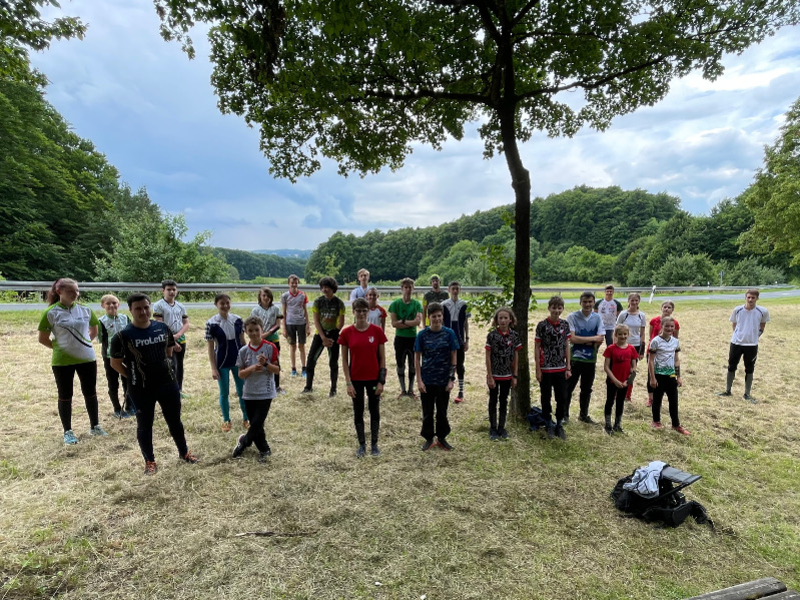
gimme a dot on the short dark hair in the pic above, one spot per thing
(610, 287)
(221, 296)
(137, 297)
(329, 282)
(360, 303)
(452, 283)
(555, 301)
(253, 320)
(434, 307)
(168, 283)
(587, 295)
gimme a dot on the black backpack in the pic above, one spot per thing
(536, 419)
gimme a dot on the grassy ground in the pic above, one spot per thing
(526, 518)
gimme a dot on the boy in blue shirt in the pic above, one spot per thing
(588, 332)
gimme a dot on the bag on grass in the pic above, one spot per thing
(536, 419)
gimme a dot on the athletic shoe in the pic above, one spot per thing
(427, 445)
(226, 426)
(97, 430)
(649, 402)
(240, 447)
(245, 424)
(560, 432)
(307, 391)
(724, 394)
(150, 467)
(750, 399)
(304, 372)
(70, 438)
(375, 450)
(493, 435)
(681, 429)
(127, 414)
(294, 372)
(332, 393)
(190, 458)
(504, 434)
(565, 421)
(551, 433)
(656, 425)
(608, 430)
(459, 399)
(445, 445)
(118, 414)
(618, 429)
(185, 395)
(281, 391)
(362, 450)
(587, 419)
(262, 456)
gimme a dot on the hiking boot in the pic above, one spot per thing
(493, 435)
(240, 446)
(656, 425)
(294, 372)
(608, 430)
(307, 391)
(681, 429)
(618, 429)
(70, 438)
(226, 426)
(445, 445)
(427, 445)
(504, 434)
(150, 467)
(362, 450)
(375, 450)
(97, 430)
(190, 458)
(560, 432)
(459, 399)
(750, 399)
(262, 456)
(587, 419)
(725, 394)
(551, 433)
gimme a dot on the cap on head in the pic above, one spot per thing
(436, 277)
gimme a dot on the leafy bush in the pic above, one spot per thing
(684, 270)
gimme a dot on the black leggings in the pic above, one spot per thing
(316, 351)
(460, 356)
(65, 377)
(257, 411)
(169, 397)
(177, 363)
(615, 395)
(737, 352)
(668, 385)
(368, 387)
(436, 399)
(554, 383)
(113, 377)
(501, 388)
(404, 353)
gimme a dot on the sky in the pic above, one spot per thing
(153, 113)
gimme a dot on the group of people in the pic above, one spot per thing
(145, 356)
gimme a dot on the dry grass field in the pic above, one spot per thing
(525, 518)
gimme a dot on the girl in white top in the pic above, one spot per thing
(271, 318)
(636, 321)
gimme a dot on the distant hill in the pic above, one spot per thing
(263, 263)
(286, 253)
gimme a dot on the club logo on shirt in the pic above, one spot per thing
(372, 339)
(159, 339)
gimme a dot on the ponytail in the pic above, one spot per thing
(53, 295)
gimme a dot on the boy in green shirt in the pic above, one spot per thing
(406, 315)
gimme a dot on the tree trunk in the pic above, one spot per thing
(521, 182)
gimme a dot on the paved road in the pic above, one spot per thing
(242, 306)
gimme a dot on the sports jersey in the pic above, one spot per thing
(144, 352)
(363, 348)
(502, 347)
(172, 315)
(608, 311)
(269, 317)
(431, 296)
(748, 324)
(375, 315)
(259, 385)
(436, 347)
(359, 292)
(455, 317)
(664, 350)
(109, 327)
(227, 336)
(553, 338)
(584, 326)
(70, 328)
(634, 323)
(295, 305)
(407, 311)
(328, 311)
(621, 359)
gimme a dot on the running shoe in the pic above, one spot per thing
(375, 450)
(681, 429)
(504, 434)
(362, 450)
(190, 458)
(304, 372)
(551, 433)
(493, 435)
(561, 433)
(445, 445)
(750, 399)
(245, 424)
(150, 467)
(262, 456)
(427, 445)
(97, 430)
(725, 394)
(608, 430)
(332, 393)
(226, 426)
(587, 419)
(118, 414)
(656, 425)
(240, 447)
(307, 391)
(185, 395)
(294, 372)
(618, 429)
(459, 399)
(70, 438)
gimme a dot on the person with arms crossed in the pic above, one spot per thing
(588, 332)
(608, 308)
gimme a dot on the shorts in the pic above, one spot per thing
(296, 333)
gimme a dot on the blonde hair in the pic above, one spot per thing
(407, 281)
(633, 295)
(106, 298)
(361, 272)
(620, 328)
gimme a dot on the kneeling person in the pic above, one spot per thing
(142, 352)
(258, 366)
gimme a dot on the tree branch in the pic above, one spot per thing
(525, 10)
